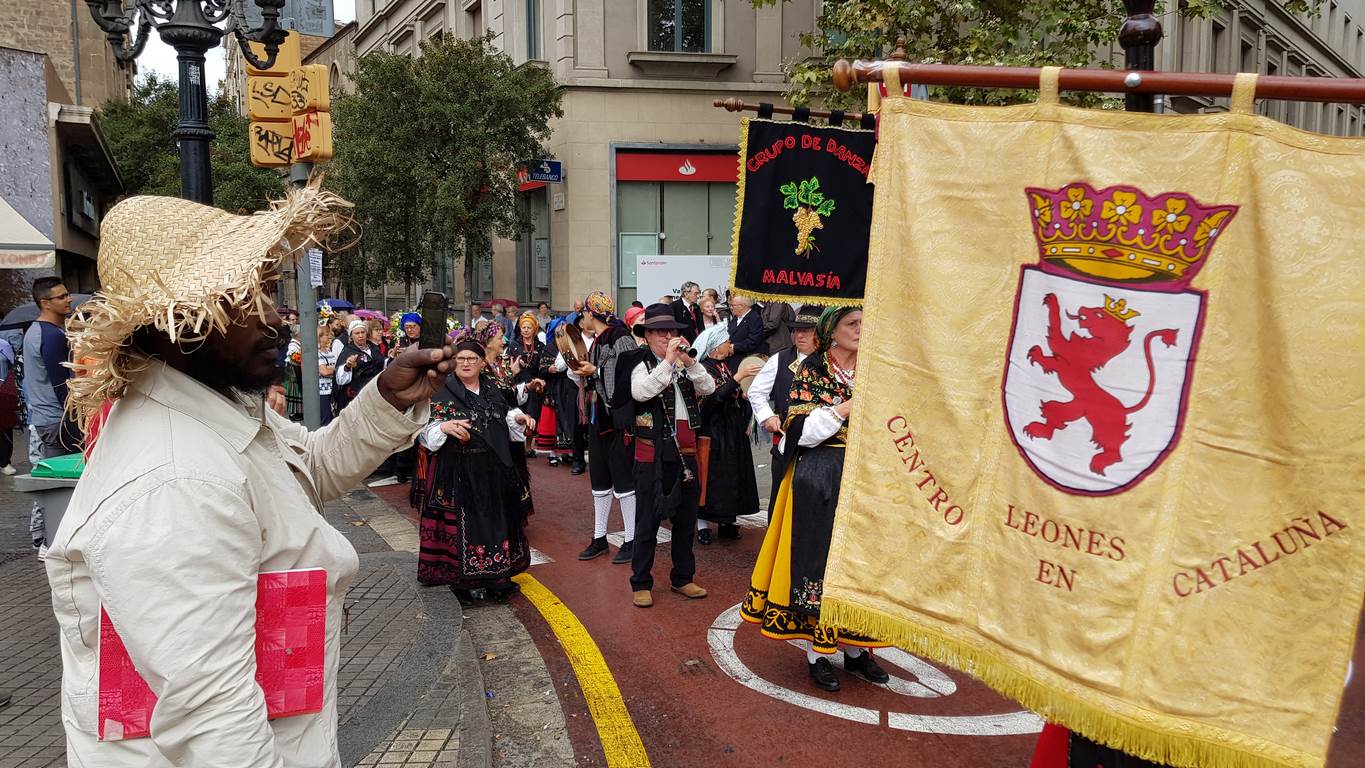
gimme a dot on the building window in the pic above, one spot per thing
(1219, 46)
(533, 29)
(1247, 63)
(662, 218)
(679, 25)
(533, 247)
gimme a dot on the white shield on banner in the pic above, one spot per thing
(1097, 377)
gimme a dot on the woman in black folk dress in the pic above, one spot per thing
(476, 501)
(731, 486)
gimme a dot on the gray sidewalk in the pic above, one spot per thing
(410, 688)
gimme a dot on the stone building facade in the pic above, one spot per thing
(84, 62)
(649, 163)
(1260, 36)
(55, 171)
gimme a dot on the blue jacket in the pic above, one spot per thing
(746, 335)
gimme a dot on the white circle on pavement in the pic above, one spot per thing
(928, 682)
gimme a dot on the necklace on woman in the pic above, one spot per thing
(845, 375)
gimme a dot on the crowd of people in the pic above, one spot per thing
(660, 405)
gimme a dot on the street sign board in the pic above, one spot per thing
(551, 171)
(308, 89)
(312, 137)
(271, 143)
(267, 98)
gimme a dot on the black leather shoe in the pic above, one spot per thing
(624, 554)
(704, 536)
(578, 468)
(865, 665)
(728, 531)
(465, 596)
(822, 674)
(596, 549)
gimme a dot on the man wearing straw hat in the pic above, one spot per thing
(193, 492)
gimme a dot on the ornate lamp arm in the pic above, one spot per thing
(269, 33)
(272, 39)
(117, 24)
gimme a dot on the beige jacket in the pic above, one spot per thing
(187, 498)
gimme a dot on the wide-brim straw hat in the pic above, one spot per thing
(183, 268)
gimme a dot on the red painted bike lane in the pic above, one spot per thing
(705, 689)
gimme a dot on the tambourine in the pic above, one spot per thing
(569, 340)
(760, 359)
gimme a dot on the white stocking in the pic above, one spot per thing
(601, 509)
(628, 514)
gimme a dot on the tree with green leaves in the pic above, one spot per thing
(1019, 33)
(139, 131)
(428, 149)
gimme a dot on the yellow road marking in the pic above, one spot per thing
(620, 741)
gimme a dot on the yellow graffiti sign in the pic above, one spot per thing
(268, 98)
(312, 137)
(271, 144)
(308, 89)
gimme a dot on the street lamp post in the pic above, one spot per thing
(188, 27)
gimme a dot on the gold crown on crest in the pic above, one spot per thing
(1123, 235)
(1119, 309)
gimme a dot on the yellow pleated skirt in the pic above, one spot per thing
(767, 603)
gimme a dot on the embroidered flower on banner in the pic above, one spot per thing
(1172, 217)
(1121, 209)
(1076, 205)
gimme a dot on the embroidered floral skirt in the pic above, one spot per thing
(473, 520)
(788, 579)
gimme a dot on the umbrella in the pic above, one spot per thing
(21, 245)
(25, 313)
(337, 304)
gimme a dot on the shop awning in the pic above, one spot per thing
(22, 246)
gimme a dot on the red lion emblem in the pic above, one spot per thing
(1075, 359)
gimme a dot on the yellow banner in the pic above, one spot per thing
(1108, 442)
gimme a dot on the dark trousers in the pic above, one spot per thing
(6, 446)
(580, 441)
(647, 524)
(779, 470)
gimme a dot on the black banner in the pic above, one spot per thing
(805, 210)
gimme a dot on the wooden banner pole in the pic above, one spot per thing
(1327, 89)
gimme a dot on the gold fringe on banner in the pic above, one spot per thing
(1150, 736)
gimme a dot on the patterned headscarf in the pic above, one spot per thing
(829, 320)
(488, 333)
(601, 306)
(528, 317)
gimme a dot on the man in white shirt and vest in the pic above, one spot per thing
(771, 388)
(662, 383)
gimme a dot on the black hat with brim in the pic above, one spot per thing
(808, 316)
(658, 317)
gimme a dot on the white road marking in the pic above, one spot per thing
(930, 683)
(756, 520)
(619, 538)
